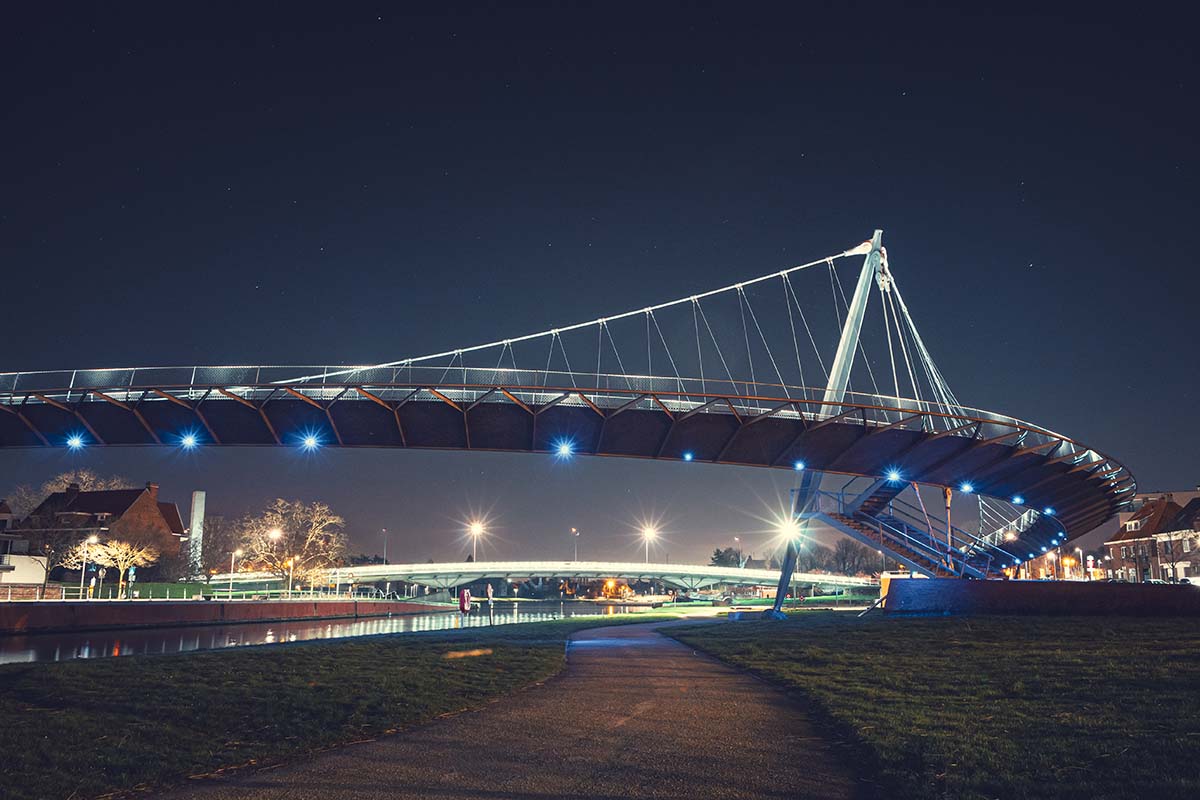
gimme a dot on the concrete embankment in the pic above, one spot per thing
(954, 596)
(58, 616)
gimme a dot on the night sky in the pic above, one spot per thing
(257, 184)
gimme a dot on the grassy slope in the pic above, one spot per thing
(994, 707)
(81, 728)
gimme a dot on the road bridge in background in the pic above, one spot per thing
(448, 575)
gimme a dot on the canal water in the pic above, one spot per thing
(109, 644)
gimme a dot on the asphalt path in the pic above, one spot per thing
(633, 715)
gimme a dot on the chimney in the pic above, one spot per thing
(72, 492)
(152, 488)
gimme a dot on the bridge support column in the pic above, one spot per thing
(802, 497)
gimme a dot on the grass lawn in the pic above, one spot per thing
(992, 707)
(82, 728)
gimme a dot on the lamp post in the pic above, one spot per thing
(649, 533)
(291, 564)
(232, 557)
(275, 534)
(737, 549)
(93, 539)
(385, 546)
(575, 538)
(476, 531)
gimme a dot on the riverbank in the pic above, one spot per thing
(58, 616)
(155, 720)
(984, 707)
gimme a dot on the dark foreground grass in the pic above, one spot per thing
(993, 707)
(83, 728)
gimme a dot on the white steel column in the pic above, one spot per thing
(839, 374)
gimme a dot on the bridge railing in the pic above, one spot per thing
(537, 387)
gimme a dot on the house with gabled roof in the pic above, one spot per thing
(130, 514)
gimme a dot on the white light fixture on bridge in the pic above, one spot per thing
(966, 487)
(799, 465)
(310, 442)
(564, 448)
(75, 442)
(188, 441)
(893, 475)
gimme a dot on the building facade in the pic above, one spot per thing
(1160, 541)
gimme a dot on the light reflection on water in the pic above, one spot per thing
(108, 644)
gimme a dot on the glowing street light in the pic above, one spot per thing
(188, 441)
(564, 448)
(75, 442)
(893, 475)
(93, 539)
(649, 533)
(476, 530)
(310, 442)
(236, 554)
(575, 538)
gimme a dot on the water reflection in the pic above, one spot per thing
(108, 644)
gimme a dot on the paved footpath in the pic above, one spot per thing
(634, 715)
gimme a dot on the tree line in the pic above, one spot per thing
(846, 557)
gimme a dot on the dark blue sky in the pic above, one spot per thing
(242, 184)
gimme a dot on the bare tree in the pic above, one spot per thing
(114, 553)
(54, 547)
(221, 537)
(308, 538)
(851, 558)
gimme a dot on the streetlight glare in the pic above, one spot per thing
(789, 529)
(565, 448)
(310, 442)
(188, 441)
(75, 442)
(476, 528)
(650, 532)
(275, 534)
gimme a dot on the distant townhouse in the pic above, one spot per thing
(1157, 542)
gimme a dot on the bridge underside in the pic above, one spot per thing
(998, 456)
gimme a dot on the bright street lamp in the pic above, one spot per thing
(236, 554)
(649, 533)
(476, 531)
(575, 537)
(291, 565)
(93, 539)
